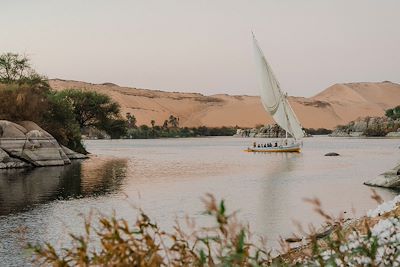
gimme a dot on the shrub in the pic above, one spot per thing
(95, 110)
(227, 243)
(365, 242)
(319, 131)
(393, 113)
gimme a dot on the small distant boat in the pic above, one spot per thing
(275, 102)
(281, 148)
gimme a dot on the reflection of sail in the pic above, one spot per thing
(20, 189)
(274, 100)
(274, 202)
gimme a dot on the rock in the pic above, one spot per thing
(267, 131)
(11, 130)
(389, 179)
(294, 239)
(72, 154)
(26, 144)
(369, 126)
(8, 162)
(356, 134)
(393, 134)
(325, 230)
(31, 126)
(339, 133)
(332, 154)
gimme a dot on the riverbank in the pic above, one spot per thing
(369, 127)
(275, 131)
(371, 240)
(156, 132)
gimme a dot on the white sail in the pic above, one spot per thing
(274, 100)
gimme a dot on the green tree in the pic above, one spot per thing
(131, 120)
(153, 123)
(393, 113)
(59, 121)
(15, 68)
(116, 128)
(95, 110)
(173, 121)
(165, 124)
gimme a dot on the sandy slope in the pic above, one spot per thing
(338, 104)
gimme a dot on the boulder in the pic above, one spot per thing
(356, 134)
(31, 126)
(389, 179)
(26, 144)
(393, 134)
(339, 133)
(72, 154)
(9, 129)
(332, 154)
(7, 162)
(369, 126)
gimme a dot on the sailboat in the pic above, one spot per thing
(276, 103)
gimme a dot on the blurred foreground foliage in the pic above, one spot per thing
(115, 242)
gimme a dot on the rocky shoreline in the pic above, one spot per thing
(267, 131)
(369, 126)
(27, 145)
(388, 179)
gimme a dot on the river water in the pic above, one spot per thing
(168, 177)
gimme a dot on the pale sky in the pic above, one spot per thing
(205, 45)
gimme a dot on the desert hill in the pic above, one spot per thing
(338, 104)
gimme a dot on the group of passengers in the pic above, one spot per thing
(265, 145)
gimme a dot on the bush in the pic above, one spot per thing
(393, 113)
(23, 102)
(319, 131)
(60, 122)
(227, 243)
(95, 110)
(369, 241)
(145, 132)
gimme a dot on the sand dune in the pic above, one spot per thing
(338, 104)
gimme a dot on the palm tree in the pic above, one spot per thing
(173, 121)
(165, 124)
(131, 120)
(152, 122)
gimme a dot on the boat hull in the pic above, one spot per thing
(287, 149)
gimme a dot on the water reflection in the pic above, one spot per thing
(22, 189)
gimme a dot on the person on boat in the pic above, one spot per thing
(258, 145)
(285, 142)
(276, 144)
(265, 145)
(254, 144)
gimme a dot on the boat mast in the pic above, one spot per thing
(274, 100)
(284, 100)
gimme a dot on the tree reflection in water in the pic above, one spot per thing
(23, 189)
